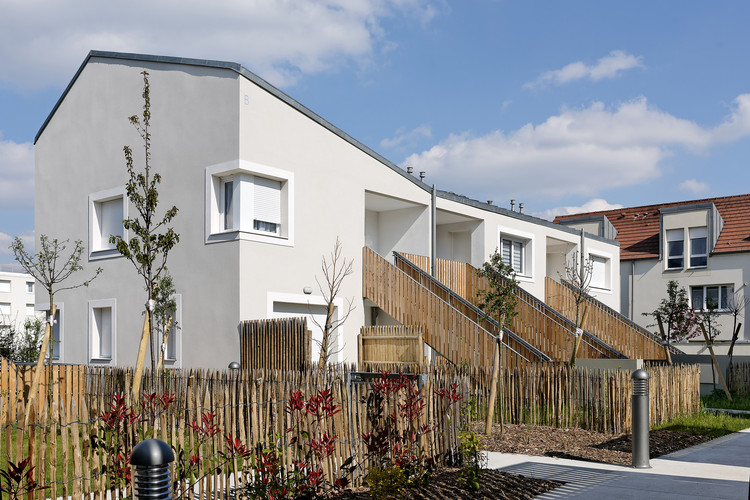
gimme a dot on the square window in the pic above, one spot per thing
(5, 286)
(30, 312)
(512, 254)
(5, 308)
(102, 329)
(107, 210)
(675, 248)
(599, 272)
(29, 287)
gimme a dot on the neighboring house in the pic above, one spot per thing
(16, 299)
(702, 244)
(264, 186)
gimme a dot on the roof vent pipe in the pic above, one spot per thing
(421, 176)
(512, 205)
(489, 202)
(520, 208)
(409, 170)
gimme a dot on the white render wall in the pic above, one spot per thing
(15, 297)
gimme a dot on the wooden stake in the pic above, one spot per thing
(40, 361)
(141, 356)
(664, 338)
(716, 363)
(579, 337)
(493, 388)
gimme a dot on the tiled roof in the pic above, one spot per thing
(638, 227)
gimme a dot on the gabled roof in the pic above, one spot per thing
(638, 227)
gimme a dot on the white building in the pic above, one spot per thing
(17, 299)
(264, 186)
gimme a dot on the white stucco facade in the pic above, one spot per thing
(224, 141)
(16, 299)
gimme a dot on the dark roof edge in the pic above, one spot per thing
(687, 208)
(239, 69)
(447, 195)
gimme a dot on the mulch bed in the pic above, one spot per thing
(576, 444)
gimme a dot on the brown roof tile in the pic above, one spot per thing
(638, 227)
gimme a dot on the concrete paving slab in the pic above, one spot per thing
(717, 469)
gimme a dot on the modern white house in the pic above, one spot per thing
(17, 299)
(702, 244)
(264, 187)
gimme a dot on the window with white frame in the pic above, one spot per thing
(107, 210)
(29, 287)
(249, 201)
(512, 252)
(5, 309)
(675, 248)
(600, 272)
(102, 329)
(5, 286)
(30, 312)
(711, 296)
(698, 246)
(171, 347)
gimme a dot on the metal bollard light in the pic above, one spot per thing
(152, 477)
(640, 419)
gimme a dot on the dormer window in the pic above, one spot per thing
(675, 248)
(698, 247)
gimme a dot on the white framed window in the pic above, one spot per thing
(107, 210)
(5, 309)
(5, 286)
(30, 312)
(249, 201)
(719, 296)
(675, 248)
(102, 329)
(698, 246)
(601, 271)
(516, 249)
(29, 287)
(512, 254)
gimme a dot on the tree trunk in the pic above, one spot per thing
(40, 360)
(325, 343)
(665, 340)
(165, 339)
(493, 389)
(141, 356)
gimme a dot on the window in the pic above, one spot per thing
(4, 308)
(675, 248)
(512, 253)
(599, 272)
(250, 202)
(718, 295)
(102, 314)
(107, 210)
(30, 312)
(171, 350)
(698, 247)
(29, 287)
(5, 286)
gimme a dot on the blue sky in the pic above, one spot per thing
(564, 106)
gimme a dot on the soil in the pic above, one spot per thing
(576, 444)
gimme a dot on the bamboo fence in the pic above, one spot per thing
(275, 344)
(386, 345)
(739, 379)
(250, 405)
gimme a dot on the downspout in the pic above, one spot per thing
(583, 256)
(632, 284)
(433, 229)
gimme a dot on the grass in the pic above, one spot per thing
(719, 400)
(706, 423)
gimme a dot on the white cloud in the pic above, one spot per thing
(5, 240)
(695, 187)
(595, 205)
(577, 152)
(16, 175)
(609, 66)
(405, 138)
(43, 41)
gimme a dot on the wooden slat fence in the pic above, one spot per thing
(275, 344)
(448, 331)
(536, 323)
(622, 334)
(386, 345)
(739, 379)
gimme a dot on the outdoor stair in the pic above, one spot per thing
(448, 330)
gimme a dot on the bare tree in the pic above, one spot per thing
(50, 267)
(335, 269)
(578, 274)
(736, 306)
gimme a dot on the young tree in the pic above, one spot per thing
(709, 320)
(335, 268)
(578, 274)
(498, 302)
(150, 238)
(50, 267)
(736, 306)
(676, 319)
(165, 307)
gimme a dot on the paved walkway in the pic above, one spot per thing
(715, 469)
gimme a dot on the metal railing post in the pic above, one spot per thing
(152, 478)
(640, 420)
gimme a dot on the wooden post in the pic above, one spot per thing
(40, 361)
(493, 386)
(664, 339)
(579, 337)
(141, 356)
(716, 363)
